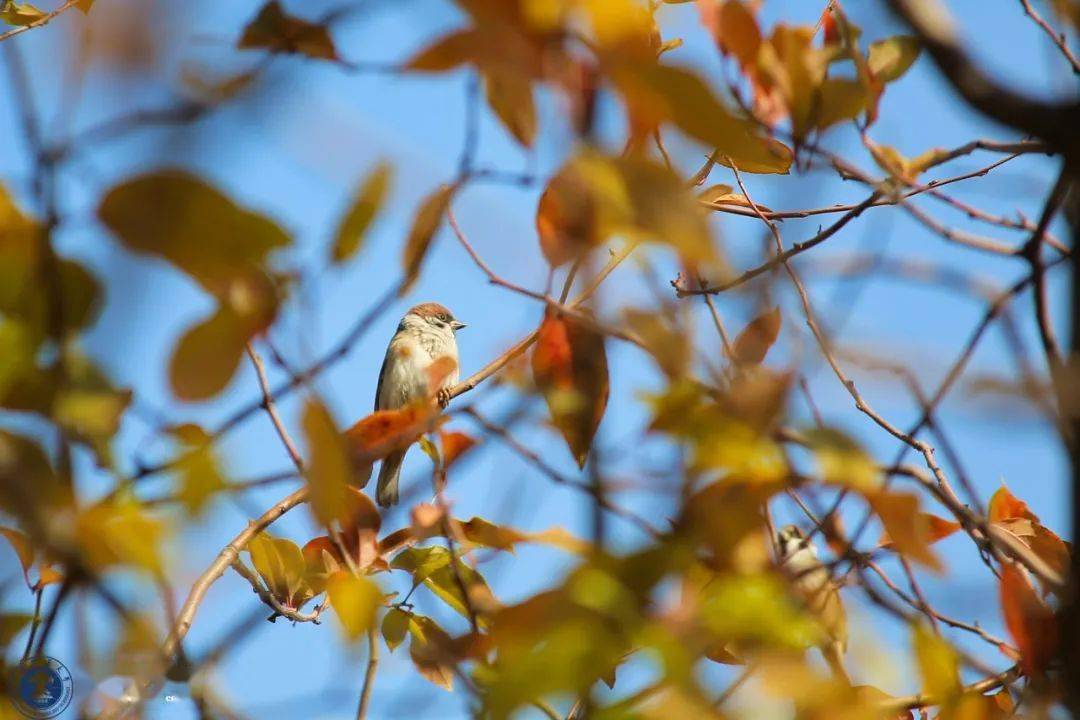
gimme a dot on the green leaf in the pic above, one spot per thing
(355, 600)
(890, 58)
(395, 625)
(369, 199)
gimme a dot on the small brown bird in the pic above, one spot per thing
(800, 563)
(425, 334)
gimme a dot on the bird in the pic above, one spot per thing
(426, 334)
(800, 563)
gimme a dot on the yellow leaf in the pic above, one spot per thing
(426, 222)
(282, 567)
(890, 58)
(329, 468)
(841, 460)
(24, 549)
(937, 662)
(369, 199)
(511, 99)
(120, 534)
(355, 600)
(14, 13)
(206, 356)
(200, 473)
(395, 625)
(907, 528)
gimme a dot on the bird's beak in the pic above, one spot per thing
(455, 325)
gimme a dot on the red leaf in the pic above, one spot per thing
(570, 368)
(1030, 622)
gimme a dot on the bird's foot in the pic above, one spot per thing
(443, 397)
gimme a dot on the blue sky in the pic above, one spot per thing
(295, 149)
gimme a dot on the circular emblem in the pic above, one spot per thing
(41, 687)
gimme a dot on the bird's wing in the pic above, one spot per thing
(382, 375)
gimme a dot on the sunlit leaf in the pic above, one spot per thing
(1006, 506)
(377, 435)
(1030, 622)
(890, 58)
(16, 13)
(429, 651)
(454, 445)
(436, 569)
(907, 528)
(199, 469)
(355, 600)
(275, 30)
(24, 549)
(753, 343)
(487, 534)
(282, 567)
(937, 662)
(11, 624)
(510, 97)
(667, 343)
(328, 468)
(841, 460)
(426, 222)
(570, 367)
(568, 216)
(840, 99)
(395, 626)
(120, 534)
(366, 204)
(931, 527)
(206, 356)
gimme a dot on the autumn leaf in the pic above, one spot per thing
(434, 567)
(569, 366)
(930, 527)
(1030, 622)
(510, 97)
(377, 435)
(198, 468)
(568, 220)
(395, 626)
(329, 467)
(906, 527)
(282, 566)
(937, 662)
(426, 222)
(752, 344)
(16, 13)
(890, 58)
(454, 445)
(275, 30)
(366, 204)
(355, 600)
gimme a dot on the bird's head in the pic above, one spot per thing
(432, 315)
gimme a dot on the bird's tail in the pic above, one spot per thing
(387, 489)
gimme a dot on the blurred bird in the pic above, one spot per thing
(810, 578)
(424, 336)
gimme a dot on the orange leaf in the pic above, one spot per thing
(377, 435)
(454, 445)
(1006, 506)
(274, 30)
(933, 528)
(756, 338)
(570, 368)
(738, 33)
(1031, 623)
(899, 513)
(568, 217)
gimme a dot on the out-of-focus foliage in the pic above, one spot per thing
(710, 579)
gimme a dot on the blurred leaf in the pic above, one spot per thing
(930, 527)
(657, 93)
(907, 529)
(355, 600)
(198, 468)
(428, 650)
(487, 534)
(328, 467)
(377, 435)
(11, 624)
(1030, 622)
(840, 99)
(369, 199)
(937, 662)
(206, 356)
(24, 549)
(454, 445)
(510, 97)
(433, 566)
(738, 32)
(667, 342)
(178, 217)
(29, 488)
(842, 461)
(426, 222)
(890, 58)
(753, 343)
(446, 53)
(569, 366)
(712, 193)
(568, 216)
(15, 13)
(120, 534)
(282, 567)
(92, 416)
(395, 625)
(274, 30)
